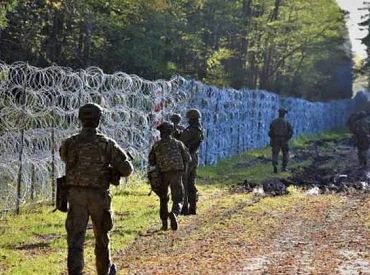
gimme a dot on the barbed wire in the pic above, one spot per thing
(39, 107)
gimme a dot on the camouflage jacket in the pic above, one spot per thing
(280, 128)
(178, 130)
(361, 126)
(351, 121)
(192, 137)
(89, 157)
(169, 154)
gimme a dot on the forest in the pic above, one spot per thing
(294, 48)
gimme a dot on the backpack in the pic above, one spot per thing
(88, 162)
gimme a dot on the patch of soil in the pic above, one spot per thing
(37, 246)
(333, 169)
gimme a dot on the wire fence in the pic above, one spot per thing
(39, 107)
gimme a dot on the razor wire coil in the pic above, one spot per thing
(39, 108)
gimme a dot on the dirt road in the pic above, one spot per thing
(326, 234)
(240, 233)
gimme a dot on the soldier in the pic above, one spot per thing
(170, 157)
(281, 131)
(361, 130)
(192, 137)
(353, 119)
(90, 157)
(176, 119)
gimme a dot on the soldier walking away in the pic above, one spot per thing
(192, 137)
(361, 130)
(176, 119)
(170, 157)
(281, 131)
(90, 158)
(354, 117)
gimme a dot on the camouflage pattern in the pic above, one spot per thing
(176, 119)
(178, 130)
(361, 131)
(171, 157)
(281, 131)
(155, 179)
(353, 119)
(172, 179)
(281, 128)
(192, 137)
(85, 203)
(90, 158)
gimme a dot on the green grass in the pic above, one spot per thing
(236, 169)
(304, 140)
(35, 241)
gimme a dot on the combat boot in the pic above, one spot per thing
(173, 221)
(164, 225)
(184, 211)
(112, 270)
(193, 209)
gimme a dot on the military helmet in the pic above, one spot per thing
(90, 111)
(283, 111)
(165, 127)
(361, 114)
(193, 114)
(175, 118)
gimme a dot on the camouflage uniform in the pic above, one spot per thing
(178, 129)
(353, 119)
(171, 158)
(281, 131)
(361, 130)
(192, 137)
(90, 157)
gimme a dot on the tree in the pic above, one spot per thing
(290, 47)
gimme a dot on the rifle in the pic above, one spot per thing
(61, 202)
(155, 180)
(114, 177)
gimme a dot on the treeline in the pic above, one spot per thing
(294, 48)
(364, 68)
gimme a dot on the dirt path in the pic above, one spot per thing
(305, 235)
(330, 241)
(239, 233)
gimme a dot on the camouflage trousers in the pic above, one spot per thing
(277, 146)
(85, 203)
(190, 198)
(172, 179)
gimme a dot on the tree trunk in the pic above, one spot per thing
(88, 29)
(53, 44)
